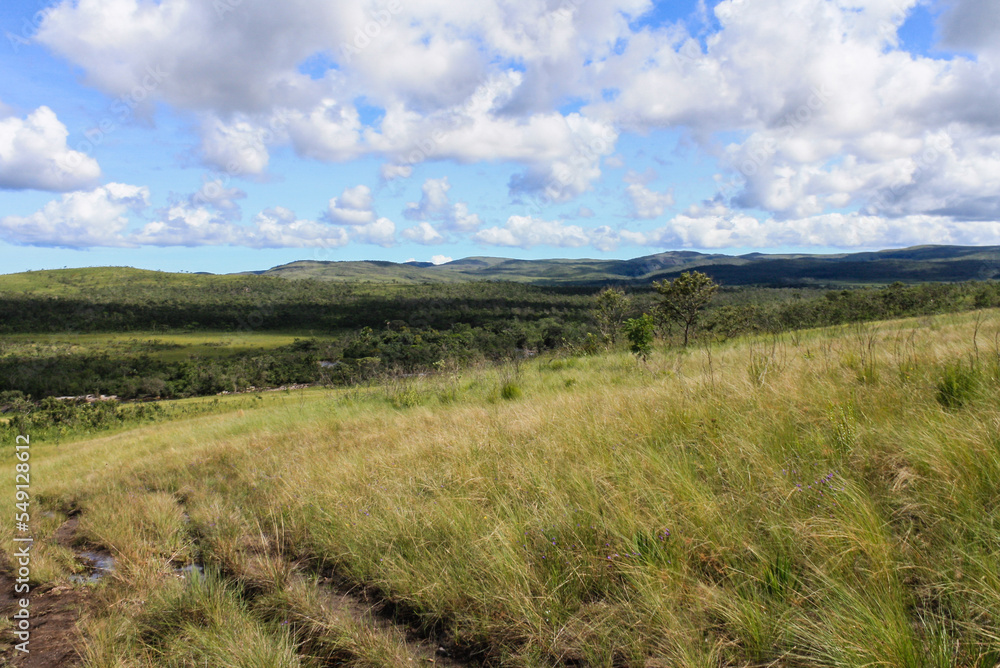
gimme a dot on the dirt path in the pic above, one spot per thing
(368, 612)
(54, 638)
(55, 611)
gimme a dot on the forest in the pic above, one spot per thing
(346, 334)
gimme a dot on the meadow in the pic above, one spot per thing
(820, 497)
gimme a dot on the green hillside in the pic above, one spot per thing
(918, 264)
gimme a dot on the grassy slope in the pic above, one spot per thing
(823, 508)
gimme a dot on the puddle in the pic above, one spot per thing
(99, 565)
(186, 571)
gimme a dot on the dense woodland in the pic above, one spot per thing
(352, 333)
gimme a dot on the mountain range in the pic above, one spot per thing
(916, 264)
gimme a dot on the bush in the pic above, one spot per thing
(640, 334)
(958, 384)
(511, 391)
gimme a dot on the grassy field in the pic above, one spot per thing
(165, 346)
(822, 498)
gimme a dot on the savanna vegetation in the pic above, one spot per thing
(141, 335)
(821, 497)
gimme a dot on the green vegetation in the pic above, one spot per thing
(145, 335)
(640, 333)
(684, 298)
(701, 512)
(918, 264)
(611, 308)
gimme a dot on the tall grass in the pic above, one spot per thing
(822, 513)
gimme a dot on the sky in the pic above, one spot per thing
(233, 135)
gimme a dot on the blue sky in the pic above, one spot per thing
(232, 135)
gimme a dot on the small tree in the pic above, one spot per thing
(610, 309)
(640, 335)
(683, 298)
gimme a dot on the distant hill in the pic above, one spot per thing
(909, 265)
(917, 264)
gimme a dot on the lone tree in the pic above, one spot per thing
(610, 309)
(683, 298)
(640, 335)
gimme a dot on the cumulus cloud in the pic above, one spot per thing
(237, 147)
(355, 206)
(436, 205)
(34, 154)
(526, 232)
(329, 131)
(382, 232)
(441, 72)
(80, 219)
(440, 259)
(184, 224)
(971, 25)
(424, 233)
(832, 113)
(102, 217)
(716, 226)
(821, 108)
(278, 227)
(646, 203)
(389, 171)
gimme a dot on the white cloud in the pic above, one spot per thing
(183, 224)
(389, 171)
(329, 131)
(646, 203)
(80, 219)
(828, 113)
(34, 154)
(831, 111)
(436, 205)
(440, 259)
(238, 147)
(424, 233)
(279, 228)
(526, 232)
(355, 206)
(215, 195)
(382, 232)
(440, 71)
(719, 227)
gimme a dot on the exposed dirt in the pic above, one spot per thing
(54, 635)
(54, 613)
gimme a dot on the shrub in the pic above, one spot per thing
(958, 384)
(640, 334)
(511, 391)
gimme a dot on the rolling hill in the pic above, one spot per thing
(917, 264)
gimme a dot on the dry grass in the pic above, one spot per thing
(798, 501)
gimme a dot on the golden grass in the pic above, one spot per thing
(803, 500)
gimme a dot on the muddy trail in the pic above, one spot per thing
(55, 610)
(337, 622)
(379, 619)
